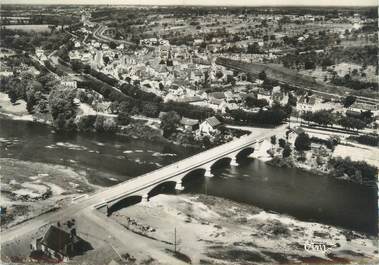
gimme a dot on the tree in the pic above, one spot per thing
(357, 171)
(105, 124)
(169, 123)
(286, 151)
(127, 105)
(62, 108)
(273, 140)
(76, 66)
(150, 109)
(309, 65)
(348, 101)
(86, 123)
(326, 62)
(253, 102)
(351, 123)
(123, 118)
(12, 96)
(262, 75)
(112, 45)
(292, 100)
(282, 142)
(114, 107)
(303, 142)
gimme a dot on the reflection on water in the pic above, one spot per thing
(109, 159)
(295, 192)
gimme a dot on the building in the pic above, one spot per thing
(59, 244)
(210, 126)
(189, 124)
(69, 83)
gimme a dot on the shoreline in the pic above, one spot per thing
(263, 156)
(30, 189)
(224, 230)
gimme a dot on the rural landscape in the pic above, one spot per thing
(183, 134)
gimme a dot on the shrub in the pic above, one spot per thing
(123, 118)
(302, 142)
(372, 140)
(356, 171)
(86, 123)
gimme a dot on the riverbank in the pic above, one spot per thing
(15, 111)
(29, 189)
(323, 149)
(212, 230)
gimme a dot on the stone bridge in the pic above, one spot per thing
(170, 178)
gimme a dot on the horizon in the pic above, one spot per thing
(200, 3)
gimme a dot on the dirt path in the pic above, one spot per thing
(137, 246)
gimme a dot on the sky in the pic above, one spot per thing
(204, 2)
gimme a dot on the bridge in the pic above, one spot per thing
(142, 188)
(171, 177)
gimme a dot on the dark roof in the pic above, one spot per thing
(213, 121)
(352, 113)
(56, 239)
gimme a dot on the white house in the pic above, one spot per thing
(209, 126)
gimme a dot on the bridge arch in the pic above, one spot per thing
(244, 153)
(224, 161)
(123, 203)
(167, 187)
(195, 175)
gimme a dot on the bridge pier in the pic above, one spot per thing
(208, 172)
(234, 162)
(179, 187)
(145, 198)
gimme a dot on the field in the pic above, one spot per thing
(36, 28)
(342, 69)
(291, 77)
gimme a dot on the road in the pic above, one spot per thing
(98, 34)
(131, 186)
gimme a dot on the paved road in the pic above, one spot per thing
(136, 184)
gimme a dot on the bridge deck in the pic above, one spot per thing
(160, 175)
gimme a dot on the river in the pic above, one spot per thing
(110, 159)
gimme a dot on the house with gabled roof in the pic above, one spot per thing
(60, 243)
(210, 125)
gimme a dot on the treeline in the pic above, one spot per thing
(274, 116)
(347, 81)
(326, 118)
(355, 171)
(85, 68)
(28, 41)
(372, 140)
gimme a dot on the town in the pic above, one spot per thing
(295, 88)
